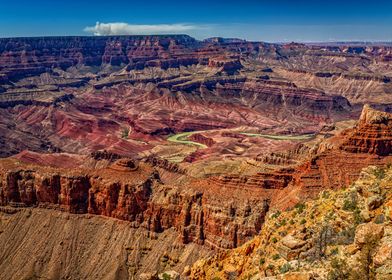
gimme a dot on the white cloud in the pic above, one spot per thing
(121, 28)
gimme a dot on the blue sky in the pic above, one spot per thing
(281, 20)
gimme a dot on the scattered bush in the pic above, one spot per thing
(334, 251)
(357, 217)
(276, 257)
(285, 268)
(276, 214)
(325, 194)
(300, 207)
(379, 173)
(274, 240)
(339, 270)
(350, 203)
(303, 221)
(271, 266)
(262, 261)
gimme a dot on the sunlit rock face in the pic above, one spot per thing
(187, 146)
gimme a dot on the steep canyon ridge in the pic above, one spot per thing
(165, 157)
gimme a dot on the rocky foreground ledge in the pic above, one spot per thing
(344, 234)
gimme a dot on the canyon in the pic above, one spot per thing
(147, 155)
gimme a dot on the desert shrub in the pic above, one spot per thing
(262, 261)
(350, 203)
(334, 251)
(303, 221)
(271, 266)
(300, 207)
(379, 173)
(357, 217)
(339, 270)
(166, 276)
(274, 240)
(276, 214)
(285, 268)
(321, 240)
(325, 194)
(276, 257)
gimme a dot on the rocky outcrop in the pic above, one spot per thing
(337, 231)
(164, 164)
(200, 138)
(373, 134)
(226, 64)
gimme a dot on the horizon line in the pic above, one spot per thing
(388, 41)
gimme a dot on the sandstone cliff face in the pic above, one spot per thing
(101, 247)
(137, 196)
(373, 134)
(26, 56)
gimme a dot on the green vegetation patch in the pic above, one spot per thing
(181, 138)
